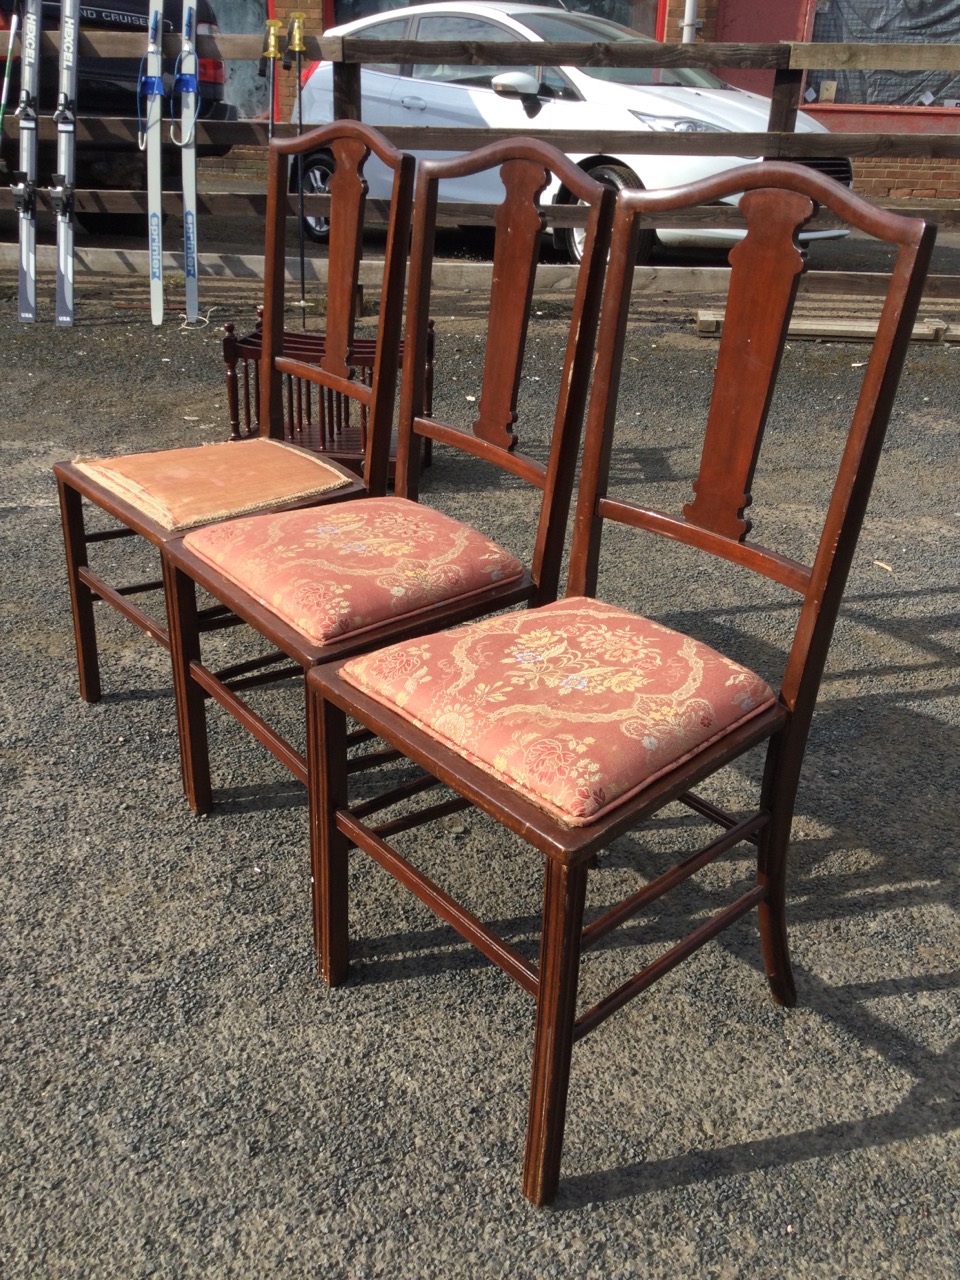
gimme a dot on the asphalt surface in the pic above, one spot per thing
(181, 1096)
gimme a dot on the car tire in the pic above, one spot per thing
(619, 177)
(317, 171)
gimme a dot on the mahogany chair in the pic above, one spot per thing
(573, 723)
(390, 568)
(158, 495)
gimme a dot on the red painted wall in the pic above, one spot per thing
(759, 22)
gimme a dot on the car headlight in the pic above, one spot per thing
(673, 124)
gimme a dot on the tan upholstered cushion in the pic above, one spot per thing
(577, 705)
(183, 488)
(346, 567)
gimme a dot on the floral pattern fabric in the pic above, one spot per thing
(578, 705)
(183, 488)
(343, 568)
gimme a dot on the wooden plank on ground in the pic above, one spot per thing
(828, 328)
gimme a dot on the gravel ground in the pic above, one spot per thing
(182, 1097)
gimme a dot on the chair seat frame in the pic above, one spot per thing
(88, 587)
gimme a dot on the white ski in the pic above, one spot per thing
(61, 192)
(11, 41)
(25, 180)
(151, 88)
(186, 84)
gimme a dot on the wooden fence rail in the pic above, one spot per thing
(789, 61)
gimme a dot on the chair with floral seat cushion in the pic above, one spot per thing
(158, 495)
(321, 585)
(574, 723)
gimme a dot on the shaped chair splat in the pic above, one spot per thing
(573, 723)
(514, 272)
(748, 361)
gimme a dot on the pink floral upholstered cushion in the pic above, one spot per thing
(181, 488)
(578, 705)
(342, 568)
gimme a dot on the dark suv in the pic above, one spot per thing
(108, 87)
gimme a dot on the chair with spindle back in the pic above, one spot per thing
(314, 418)
(159, 495)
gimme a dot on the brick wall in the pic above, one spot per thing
(907, 178)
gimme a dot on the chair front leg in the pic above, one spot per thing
(564, 894)
(183, 625)
(81, 597)
(329, 848)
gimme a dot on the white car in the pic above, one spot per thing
(637, 100)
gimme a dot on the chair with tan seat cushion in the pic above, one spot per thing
(179, 489)
(156, 495)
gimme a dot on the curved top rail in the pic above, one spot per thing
(895, 227)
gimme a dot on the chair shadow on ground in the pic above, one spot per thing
(904, 843)
(928, 1108)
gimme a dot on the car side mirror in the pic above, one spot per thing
(519, 84)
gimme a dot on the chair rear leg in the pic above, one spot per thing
(772, 916)
(782, 776)
(81, 597)
(183, 625)
(329, 848)
(564, 894)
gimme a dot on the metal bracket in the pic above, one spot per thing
(24, 193)
(26, 110)
(61, 195)
(65, 115)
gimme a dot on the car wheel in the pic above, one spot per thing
(617, 176)
(317, 171)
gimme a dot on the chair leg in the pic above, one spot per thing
(772, 917)
(779, 794)
(81, 597)
(329, 848)
(183, 625)
(563, 899)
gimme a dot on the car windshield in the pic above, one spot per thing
(585, 29)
